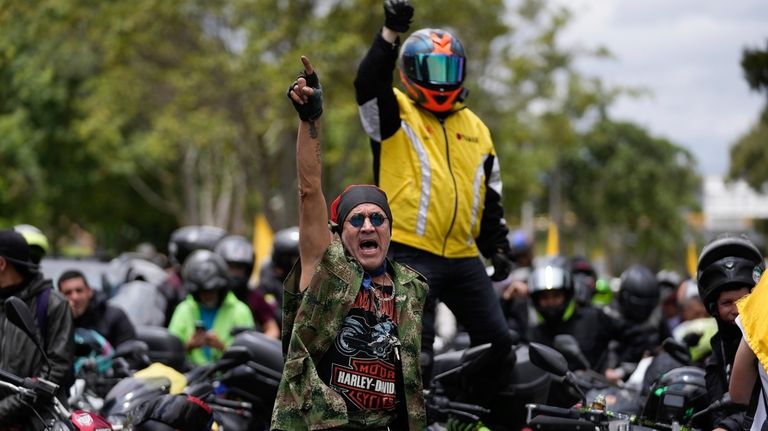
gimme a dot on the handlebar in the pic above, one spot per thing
(229, 403)
(11, 378)
(560, 412)
(548, 417)
(36, 387)
(32, 390)
(443, 405)
(22, 391)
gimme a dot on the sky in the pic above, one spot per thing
(687, 53)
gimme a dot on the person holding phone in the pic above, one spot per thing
(205, 319)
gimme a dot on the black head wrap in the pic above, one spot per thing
(355, 195)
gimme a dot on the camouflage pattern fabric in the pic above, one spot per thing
(311, 321)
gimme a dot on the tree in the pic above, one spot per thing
(50, 177)
(630, 193)
(749, 154)
(183, 101)
(132, 117)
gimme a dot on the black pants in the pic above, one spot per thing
(465, 288)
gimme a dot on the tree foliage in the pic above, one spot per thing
(630, 192)
(132, 117)
(749, 154)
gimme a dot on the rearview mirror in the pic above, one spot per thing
(19, 315)
(548, 359)
(568, 346)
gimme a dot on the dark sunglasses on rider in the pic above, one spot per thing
(358, 220)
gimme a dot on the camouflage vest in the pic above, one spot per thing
(311, 321)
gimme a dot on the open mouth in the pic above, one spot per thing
(369, 245)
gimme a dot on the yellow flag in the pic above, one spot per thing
(691, 259)
(754, 319)
(553, 240)
(262, 243)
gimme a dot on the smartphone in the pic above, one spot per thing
(199, 326)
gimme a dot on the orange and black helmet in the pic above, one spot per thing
(432, 68)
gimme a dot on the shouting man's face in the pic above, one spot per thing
(366, 235)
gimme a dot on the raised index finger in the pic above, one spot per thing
(308, 69)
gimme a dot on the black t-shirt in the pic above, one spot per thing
(363, 363)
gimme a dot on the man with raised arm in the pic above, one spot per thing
(352, 318)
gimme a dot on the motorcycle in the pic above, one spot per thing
(240, 388)
(594, 415)
(618, 396)
(256, 379)
(521, 383)
(38, 393)
(98, 367)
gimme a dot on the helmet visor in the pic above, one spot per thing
(436, 69)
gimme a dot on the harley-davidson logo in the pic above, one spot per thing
(369, 384)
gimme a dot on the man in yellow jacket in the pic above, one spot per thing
(436, 161)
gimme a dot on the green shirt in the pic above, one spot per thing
(232, 313)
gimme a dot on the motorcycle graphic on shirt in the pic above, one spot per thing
(368, 381)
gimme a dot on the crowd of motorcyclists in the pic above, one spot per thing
(543, 299)
(190, 339)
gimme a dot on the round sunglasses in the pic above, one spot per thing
(376, 218)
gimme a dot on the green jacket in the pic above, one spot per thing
(233, 313)
(311, 321)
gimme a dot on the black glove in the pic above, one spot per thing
(502, 266)
(313, 108)
(398, 15)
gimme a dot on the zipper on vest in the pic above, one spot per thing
(455, 188)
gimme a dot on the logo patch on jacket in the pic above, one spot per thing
(464, 137)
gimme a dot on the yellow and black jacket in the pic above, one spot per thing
(440, 173)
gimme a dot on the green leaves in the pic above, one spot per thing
(749, 155)
(130, 117)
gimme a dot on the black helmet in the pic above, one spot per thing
(677, 395)
(187, 239)
(546, 279)
(638, 293)
(205, 270)
(584, 279)
(236, 249)
(668, 279)
(285, 248)
(432, 68)
(727, 263)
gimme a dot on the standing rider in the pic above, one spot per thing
(435, 159)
